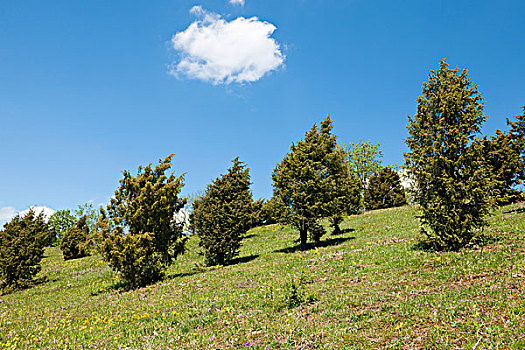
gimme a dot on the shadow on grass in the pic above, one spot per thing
(243, 259)
(515, 211)
(22, 285)
(251, 235)
(478, 243)
(343, 231)
(325, 243)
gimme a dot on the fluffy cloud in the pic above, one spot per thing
(6, 214)
(237, 2)
(221, 52)
(39, 209)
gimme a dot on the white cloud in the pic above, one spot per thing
(221, 52)
(237, 2)
(38, 209)
(6, 214)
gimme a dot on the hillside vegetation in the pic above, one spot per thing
(368, 287)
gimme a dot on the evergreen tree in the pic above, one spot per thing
(384, 190)
(139, 236)
(22, 244)
(313, 181)
(446, 160)
(502, 155)
(75, 240)
(223, 214)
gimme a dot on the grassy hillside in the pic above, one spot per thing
(366, 288)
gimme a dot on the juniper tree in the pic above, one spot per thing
(313, 181)
(504, 154)
(223, 214)
(139, 236)
(446, 160)
(75, 241)
(384, 190)
(22, 243)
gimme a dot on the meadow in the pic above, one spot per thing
(369, 287)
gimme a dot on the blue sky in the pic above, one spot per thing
(89, 88)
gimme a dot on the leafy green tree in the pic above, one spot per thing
(364, 160)
(139, 236)
(75, 241)
(91, 213)
(446, 160)
(384, 190)
(22, 244)
(312, 182)
(61, 221)
(223, 214)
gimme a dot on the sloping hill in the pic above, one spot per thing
(366, 288)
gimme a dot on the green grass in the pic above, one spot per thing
(366, 288)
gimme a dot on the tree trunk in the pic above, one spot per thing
(304, 235)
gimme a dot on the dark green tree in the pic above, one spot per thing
(384, 190)
(22, 244)
(139, 236)
(446, 161)
(313, 181)
(75, 241)
(61, 221)
(502, 155)
(517, 131)
(223, 214)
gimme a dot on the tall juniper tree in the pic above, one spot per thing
(446, 161)
(313, 181)
(223, 214)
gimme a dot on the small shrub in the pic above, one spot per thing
(74, 242)
(22, 244)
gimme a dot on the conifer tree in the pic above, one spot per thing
(22, 243)
(384, 190)
(139, 236)
(504, 154)
(75, 240)
(223, 214)
(446, 160)
(313, 181)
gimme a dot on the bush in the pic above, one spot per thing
(74, 242)
(223, 215)
(22, 244)
(384, 190)
(139, 236)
